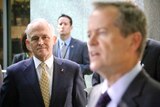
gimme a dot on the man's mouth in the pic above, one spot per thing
(94, 54)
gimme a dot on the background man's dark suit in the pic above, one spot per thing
(138, 90)
(19, 57)
(78, 53)
(150, 61)
(21, 86)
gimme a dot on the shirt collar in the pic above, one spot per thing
(48, 62)
(66, 41)
(117, 90)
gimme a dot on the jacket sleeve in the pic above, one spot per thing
(85, 66)
(8, 93)
(79, 95)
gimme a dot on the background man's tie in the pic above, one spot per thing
(103, 100)
(63, 50)
(44, 85)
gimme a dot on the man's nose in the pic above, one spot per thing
(92, 39)
(40, 40)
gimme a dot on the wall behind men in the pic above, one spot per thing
(79, 10)
(151, 8)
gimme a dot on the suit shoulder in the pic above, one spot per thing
(153, 85)
(19, 65)
(147, 83)
(79, 41)
(70, 63)
(153, 44)
(19, 55)
(66, 62)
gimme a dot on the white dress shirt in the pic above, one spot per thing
(117, 90)
(49, 68)
(60, 42)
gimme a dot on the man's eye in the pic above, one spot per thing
(34, 38)
(61, 24)
(89, 35)
(45, 37)
(102, 33)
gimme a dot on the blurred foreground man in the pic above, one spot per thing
(117, 37)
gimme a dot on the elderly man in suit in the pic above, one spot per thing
(43, 81)
(117, 37)
(75, 50)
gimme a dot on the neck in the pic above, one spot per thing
(64, 37)
(115, 73)
(30, 54)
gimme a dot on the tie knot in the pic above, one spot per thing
(43, 65)
(64, 44)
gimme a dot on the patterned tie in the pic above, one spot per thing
(63, 50)
(44, 85)
(103, 100)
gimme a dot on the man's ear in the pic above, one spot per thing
(28, 45)
(54, 39)
(136, 40)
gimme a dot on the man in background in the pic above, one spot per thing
(70, 48)
(26, 51)
(117, 37)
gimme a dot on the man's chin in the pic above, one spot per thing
(62, 34)
(93, 66)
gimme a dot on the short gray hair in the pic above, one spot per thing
(38, 22)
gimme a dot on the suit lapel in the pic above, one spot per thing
(56, 81)
(134, 91)
(32, 79)
(72, 48)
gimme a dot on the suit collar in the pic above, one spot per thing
(32, 78)
(60, 41)
(134, 90)
(72, 43)
(72, 48)
(58, 78)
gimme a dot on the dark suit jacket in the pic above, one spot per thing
(150, 61)
(19, 57)
(21, 87)
(142, 92)
(78, 53)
